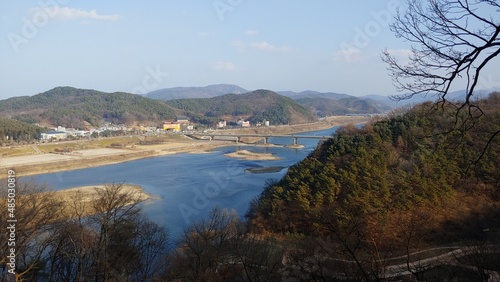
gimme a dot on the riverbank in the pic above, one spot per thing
(79, 159)
(41, 160)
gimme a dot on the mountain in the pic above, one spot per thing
(330, 103)
(80, 108)
(351, 105)
(253, 106)
(313, 94)
(195, 92)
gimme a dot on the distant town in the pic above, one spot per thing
(108, 129)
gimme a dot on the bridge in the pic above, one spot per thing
(237, 137)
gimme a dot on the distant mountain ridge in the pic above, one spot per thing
(195, 92)
(320, 103)
(254, 106)
(313, 94)
(73, 107)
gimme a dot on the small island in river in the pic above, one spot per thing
(268, 169)
(247, 155)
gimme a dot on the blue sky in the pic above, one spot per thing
(142, 46)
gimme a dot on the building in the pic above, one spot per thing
(54, 135)
(243, 123)
(79, 133)
(182, 119)
(172, 126)
(221, 124)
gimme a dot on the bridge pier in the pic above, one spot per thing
(294, 141)
(265, 140)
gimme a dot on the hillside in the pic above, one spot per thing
(14, 130)
(79, 108)
(313, 94)
(331, 104)
(253, 106)
(322, 103)
(195, 92)
(395, 186)
(351, 105)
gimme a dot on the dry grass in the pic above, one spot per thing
(17, 151)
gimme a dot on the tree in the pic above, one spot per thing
(205, 248)
(107, 239)
(36, 210)
(453, 41)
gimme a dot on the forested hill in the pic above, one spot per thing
(11, 129)
(79, 108)
(348, 105)
(391, 177)
(254, 106)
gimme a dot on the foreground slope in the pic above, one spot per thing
(394, 170)
(73, 107)
(411, 195)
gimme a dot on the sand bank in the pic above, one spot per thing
(247, 155)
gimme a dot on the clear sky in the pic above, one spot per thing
(139, 46)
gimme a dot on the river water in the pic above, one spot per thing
(190, 185)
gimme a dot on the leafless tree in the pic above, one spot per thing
(36, 210)
(204, 252)
(114, 212)
(452, 40)
(261, 259)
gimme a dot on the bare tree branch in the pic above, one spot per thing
(453, 40)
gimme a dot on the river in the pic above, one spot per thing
(190, 185)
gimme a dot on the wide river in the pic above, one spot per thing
(190, 185)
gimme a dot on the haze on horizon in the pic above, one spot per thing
(280, 45)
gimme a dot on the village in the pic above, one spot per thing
(108, 129)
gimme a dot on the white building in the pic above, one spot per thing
(54, 135)
(244, 123)
(221, 124)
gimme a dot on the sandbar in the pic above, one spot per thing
(247, 155)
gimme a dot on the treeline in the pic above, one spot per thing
(255, 106)
(14, 130)
(78, 108)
